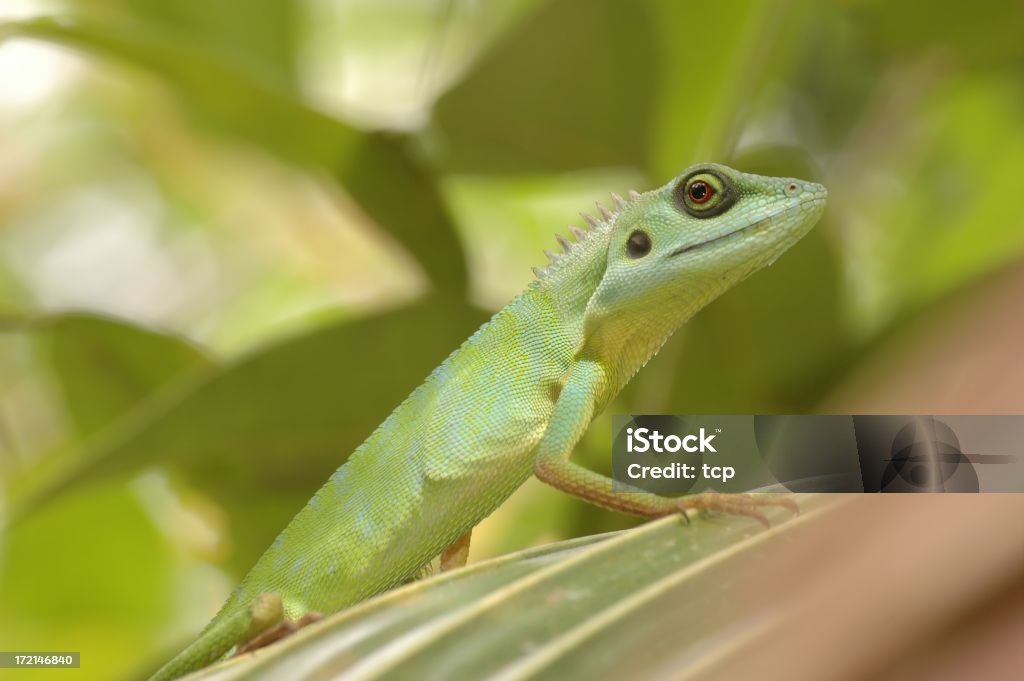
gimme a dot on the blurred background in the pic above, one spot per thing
(235, 234)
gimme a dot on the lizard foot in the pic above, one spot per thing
(282, 630)
(736, 504)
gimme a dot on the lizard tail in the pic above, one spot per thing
(222, 635)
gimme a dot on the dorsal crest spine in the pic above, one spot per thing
(570, 247)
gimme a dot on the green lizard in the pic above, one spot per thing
(515, 399)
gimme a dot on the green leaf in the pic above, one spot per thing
(931, 246)
(525, 613)
(262, 433)
(264, 42)
(711, 68)
(101, 370)
(538, 102)
(987, 37)
(93, 575)
(105, 368)
(377, 169)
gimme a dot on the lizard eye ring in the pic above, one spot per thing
(704, 193)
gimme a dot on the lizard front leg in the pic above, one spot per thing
(571, 416)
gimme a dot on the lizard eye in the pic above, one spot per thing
(700, 191)
(704, 193)
(638, 244)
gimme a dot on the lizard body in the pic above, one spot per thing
(516, 397)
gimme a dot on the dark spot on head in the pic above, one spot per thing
(638, 244)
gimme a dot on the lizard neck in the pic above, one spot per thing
(569, 283)
(622, 346)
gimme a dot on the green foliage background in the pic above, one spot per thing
(235, 234)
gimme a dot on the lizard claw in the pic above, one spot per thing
(736, 504)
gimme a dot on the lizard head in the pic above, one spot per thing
(675, 249)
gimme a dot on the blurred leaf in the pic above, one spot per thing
(922, 198)
(265, 41)
(780, 160)
(258, 35)
(377, 169)
(939, 244)
(269, 429)
(986, 36)
(106, 367)
(92, 575)
(710, 68)
(517, 614)
(776, 337)
(13, 297)
(538, 102)
(835, 75)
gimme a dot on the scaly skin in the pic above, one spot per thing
(518, 395)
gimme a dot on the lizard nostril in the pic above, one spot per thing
(792, 189)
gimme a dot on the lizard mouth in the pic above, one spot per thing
(739, 230)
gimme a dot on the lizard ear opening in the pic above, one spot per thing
(638, 244)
